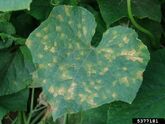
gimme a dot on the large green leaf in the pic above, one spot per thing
(13, 102)
(15, 68)
(150, 99)
(113, 10)
(76, 76)
(40, 9)
(10, 5)
(7, 27)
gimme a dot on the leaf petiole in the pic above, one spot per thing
(139, 27)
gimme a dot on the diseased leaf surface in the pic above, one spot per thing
(76, 76)
(150, 99)
(11, 5)
(114, 10)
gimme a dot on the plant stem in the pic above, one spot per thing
(35, 110)
(24, 117)
(38, 117)
(31, 107)
(139, 27)
(65, 118)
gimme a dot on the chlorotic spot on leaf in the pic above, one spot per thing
(76, 76)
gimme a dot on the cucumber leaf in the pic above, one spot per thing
(11, 5)
(76, 76)
(114, 10)
(14, 102)
(15, 69)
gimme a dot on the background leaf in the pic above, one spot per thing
(11, 5)
(13, 102)
(114, 10)
(40, 9)
(15, 68)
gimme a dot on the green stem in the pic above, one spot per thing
(38, 117)
(65, 118)
(36, 110)
(139, 27)
(31, 107)
(24, 117)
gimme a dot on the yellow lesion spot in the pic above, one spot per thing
(38, 34)
(40, 56)
(79, 26)
(62, 35)
(62, 67)
(41, 66)
(125, 68)
(98, 81)
(77, 45)
(109, 57)
(84, 30)
(70, 46)
(61, 91)
(60, 18)
(44, 81)
(58, 28)
(55, 44)
(114, 33)
(34, 75)
(70, 91)
(125, 81)
(93, 31)
(114, 95)
(114, 83)
(105, 70)
(83, 20)
(45, 37)
(82, 97)
(128, 53)
(50, 64)
(120, 44)
(139, 74)
(70, 22)
(45, 29)
(52, 50)
(125, 39)
(65, 76)
(28, 43)
(109, 50)
(136, 59)
(90, 69)
(67, 11)
(54, 60)
(46, 48)
(79, 35)
(88, 90)
(97, 87)
(114, 37)
(51, 90)
(131, 55)
(91, 101)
